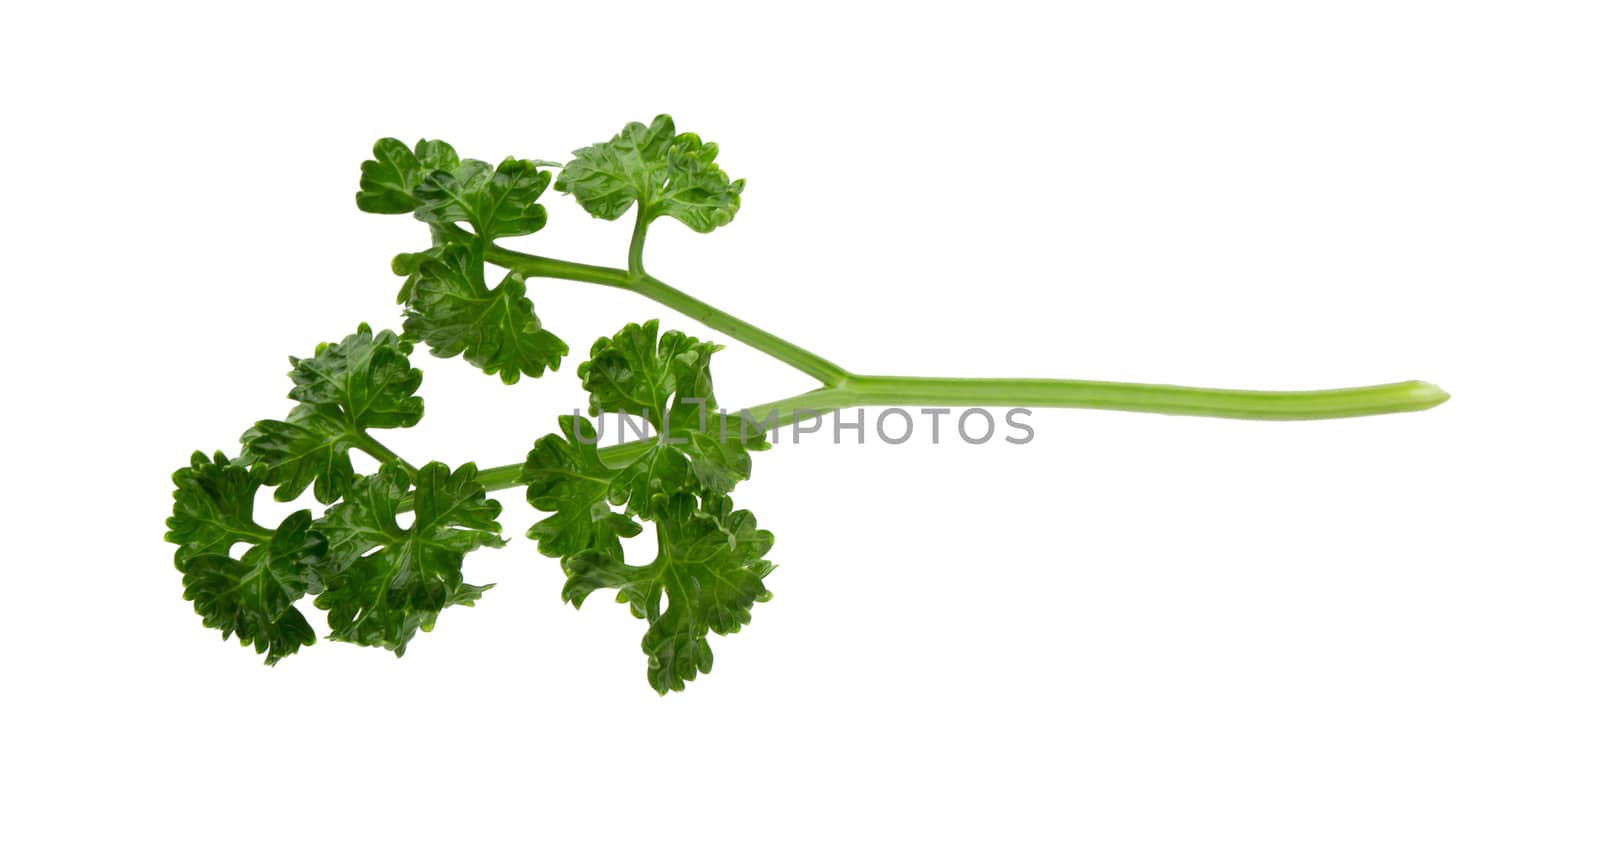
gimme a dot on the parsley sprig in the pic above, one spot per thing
(381, 582)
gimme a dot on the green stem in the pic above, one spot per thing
(641, 226)
(255, 531)
(842, 389)
(870, 390)
(877, 391)
(496, 478)
(501, 476)
(1404, 397)
(378, 451)
(653, 288)
(770, 344)
(534, 266)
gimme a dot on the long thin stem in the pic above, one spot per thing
(534, 266)
(874, 391)
(841, 389)
(380, 452)
(662, 293)
(878, 391)
(871, 390)
(1403, 397)
(774, 346)
(501, 476)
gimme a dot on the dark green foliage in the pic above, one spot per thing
(364, 381)
(450, 308)
(709, 567)
(386, 581)
(667, 173)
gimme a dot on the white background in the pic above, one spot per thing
(1135, 628)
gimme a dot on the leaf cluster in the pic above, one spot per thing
(379, 582)
(710, 563)
(448, 304)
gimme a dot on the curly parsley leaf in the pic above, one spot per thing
(496, 201)
(667, 173)
(310, 448)
(666, 379)
(408, 265)
(365, 377)
(565, 476)
(638, 372)
(389, 180)
(386, 582)
(213, 506)
(709, 568)
(441, 188)
(363, 381)
(253, 597)
(697, 193)
(452, 310)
